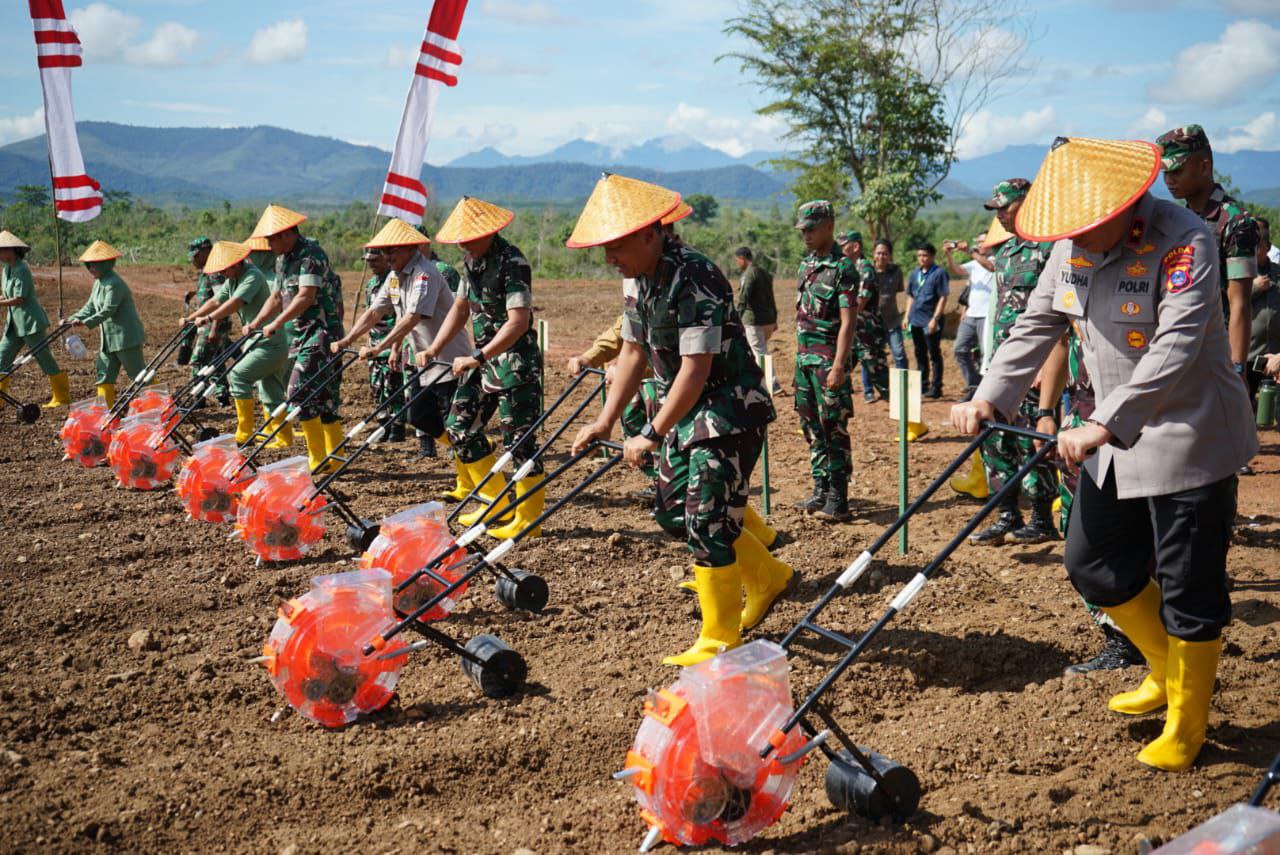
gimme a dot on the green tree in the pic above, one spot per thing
(705, 208)
(34, 195)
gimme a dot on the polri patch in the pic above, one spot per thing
(1136, 339)
(1177, 268)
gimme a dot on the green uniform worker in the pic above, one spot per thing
(110, 308)
(680, 320)
(305, 302)
(871, 343)
(27, 323)
(244, 291)
(211, 339)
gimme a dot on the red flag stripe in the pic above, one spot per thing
(406, 182)
(85, 204)
(441, 54)
(48, 37)
(403, 204)
(70, 181)
(59, 60)
(446, 17)
(435, 74)
(46, 9)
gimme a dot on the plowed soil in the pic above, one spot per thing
(178, 747)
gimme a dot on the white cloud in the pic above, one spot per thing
(22, 127)
(1150, 125)
(180, 107)
(1262, 134)
(1221, 70)
(284, 41)
(525, 14)
(109, 35)
(735, 134)
(401, 57)
(988, 132)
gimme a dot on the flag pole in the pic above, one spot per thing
(57, 232)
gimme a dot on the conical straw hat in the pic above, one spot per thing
(397, 233)
(100, 250)
(258, 244)
(276, 219)
(996, 234)
(473, 219)
(620, 206)
(8, 240)
(1083, 183)
(225, 254)
(682, 210)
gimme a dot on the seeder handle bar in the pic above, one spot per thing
(912, 588)
(148, 373)
(1268, 781)
(526, 436)
(225, 362)
(41, 345)
(502, 549)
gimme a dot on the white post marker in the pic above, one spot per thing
(904, 406)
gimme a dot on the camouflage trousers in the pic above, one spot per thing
(702, 493)
(383, 380)
(1003, 455)
(472, 406)
(1082, 405)
(870, 348)
(309, 358)
(637, 413)
(210, 341)
(824, 418)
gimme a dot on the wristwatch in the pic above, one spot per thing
(649, 432)
(1047, 414)
(478, 355)
(1239, 367)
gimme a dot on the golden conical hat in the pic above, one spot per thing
(682, 210)
(276, 219)
(996, 234)
(397, 233)
(224, 254)
(1083, 183)
(258, 244)
(620, 206)
(473, 219)
(8, 240)
(100, 250)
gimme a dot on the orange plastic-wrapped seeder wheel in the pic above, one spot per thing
(406, 542)
(279, 516)
(157, 400)
(84, 439)
(315, 651)
(140, 456)
(208, 485)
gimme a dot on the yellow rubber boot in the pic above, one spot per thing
(755, 524)
(463, 485)
(4, 387)
(107, 392)
(1139, 620)
(501, 509)
(333, 437)
(526, 512)
(720, 596)
(764, 578)
(246, 420)
(313, 431)
(284, 438)
(1192, 669)
(974, 482)
(915, 430)
(60, 387)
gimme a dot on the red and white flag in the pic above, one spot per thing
(77, 197)
(404, 194)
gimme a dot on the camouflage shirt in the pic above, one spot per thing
(307, 266)
(686, 309)
(1236, 233)
(1018, 266)
(451, 277)
(827, 284)
(385, 324)
(496, 282)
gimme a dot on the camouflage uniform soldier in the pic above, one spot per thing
(870, 347)
(383, 379)
(1018, 264)
(826, 324)
(680, 320)
(306, 294)
(212, 339)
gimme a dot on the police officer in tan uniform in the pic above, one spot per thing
(1137, 277)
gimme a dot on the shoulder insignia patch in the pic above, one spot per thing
(1177, 268)
(1079, 261)
(1130, 308)
(1144, 249)
(1136, 339)
(1138, 269)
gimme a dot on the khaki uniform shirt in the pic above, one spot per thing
(420, 289)
(1148, 314)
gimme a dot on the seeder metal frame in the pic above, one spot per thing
(29, 414)
(206, 378)
(145, 376)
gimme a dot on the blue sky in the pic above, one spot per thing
(537, 74)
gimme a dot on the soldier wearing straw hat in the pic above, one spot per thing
(110, 308)
(1137, 278)
(710, 426)
(211, 339)
(305, 302)
(415, 299)
(26, 322)
(242, 290)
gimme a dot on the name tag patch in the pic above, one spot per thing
(1177, 268)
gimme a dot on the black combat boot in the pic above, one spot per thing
(817, 500)
(1009, 521)
(224, 397)
(1117, 652)
(427, 446)
(395, 431)
(836, 506)
(1041, 528)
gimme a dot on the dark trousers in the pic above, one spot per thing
(1111, 541)
(429, 409)
(928, 357)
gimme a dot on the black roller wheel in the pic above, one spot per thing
(500, 672)
(362, 536)
(29, 414)
(524, 591)
(207, 434)
(851, 788)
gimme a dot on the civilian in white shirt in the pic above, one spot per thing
(978, 272)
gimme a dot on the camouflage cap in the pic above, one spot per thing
(1006, 193)
(193, 248)
(1179, 144)
(849, 237)
(812, 213)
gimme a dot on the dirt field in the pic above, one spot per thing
(174, 749)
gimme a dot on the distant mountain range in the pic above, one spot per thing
(200, 167)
